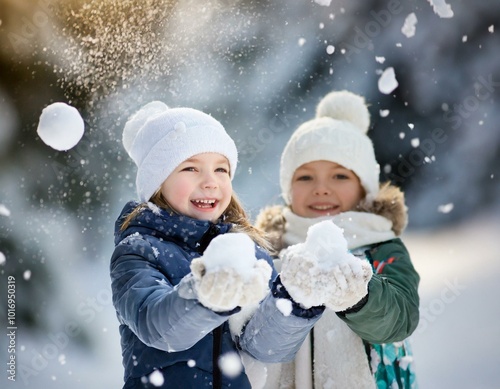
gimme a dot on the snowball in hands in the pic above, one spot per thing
(321, 271)
(228, 275)
(60, 126)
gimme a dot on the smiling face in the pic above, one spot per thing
(200, 187)
(322, 188)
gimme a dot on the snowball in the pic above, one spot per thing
(4, 211)
(191, 363)
(446, 208)
(384, 113)
(324, 233)
(60, 126)
(324, 3)
(326, 242)
(387, 81)
(408, 28)
(415, 142)
(441, 9)
(302, 42)
(27, 275)
(2, 258)
(284, 306)
(330, 49)
(380, 59)
(156, 378)
(230, 364)
(491, 28)
(234, 250)
(326, 250)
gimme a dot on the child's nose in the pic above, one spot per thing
(322, 189)
(209, 181)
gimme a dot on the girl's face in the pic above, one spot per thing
(322, 188)
(200, 187)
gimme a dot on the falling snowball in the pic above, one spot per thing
(445, 208)
(156, 378)
(61, 126)
(2, 259)
(409, 26)
(4, 211)
(284, 306)
(27, 275)
(230, 364)
(324, 3)
(441, 9)
(62, 359)
(387, 81)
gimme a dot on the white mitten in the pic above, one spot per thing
(228, 275)
(219, 290)
(256, 286)
(300, 276)
(349, 284)
(321, 271)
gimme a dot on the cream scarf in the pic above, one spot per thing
(340, 360)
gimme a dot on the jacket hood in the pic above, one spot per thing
(154, 221)
(389, 204)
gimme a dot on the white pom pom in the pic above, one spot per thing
(137, 120)
(344, 105)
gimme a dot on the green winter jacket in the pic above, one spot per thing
(391, 312)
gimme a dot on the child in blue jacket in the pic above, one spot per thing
(192, 300)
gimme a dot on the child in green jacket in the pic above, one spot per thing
(329, 173)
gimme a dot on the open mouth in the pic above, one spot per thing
(204, 204)
(323, 208)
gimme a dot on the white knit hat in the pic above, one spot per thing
(337, 134)
(159, 138)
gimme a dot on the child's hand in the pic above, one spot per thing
(321, 271)
(228, 275)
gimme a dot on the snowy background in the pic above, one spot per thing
(259, 67)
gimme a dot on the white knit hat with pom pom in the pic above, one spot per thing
(337, 134)
(159, 139)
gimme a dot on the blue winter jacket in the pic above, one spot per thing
(162, 324)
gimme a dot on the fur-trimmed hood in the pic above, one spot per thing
(389, 204)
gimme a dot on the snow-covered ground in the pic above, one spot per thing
(457, 344)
